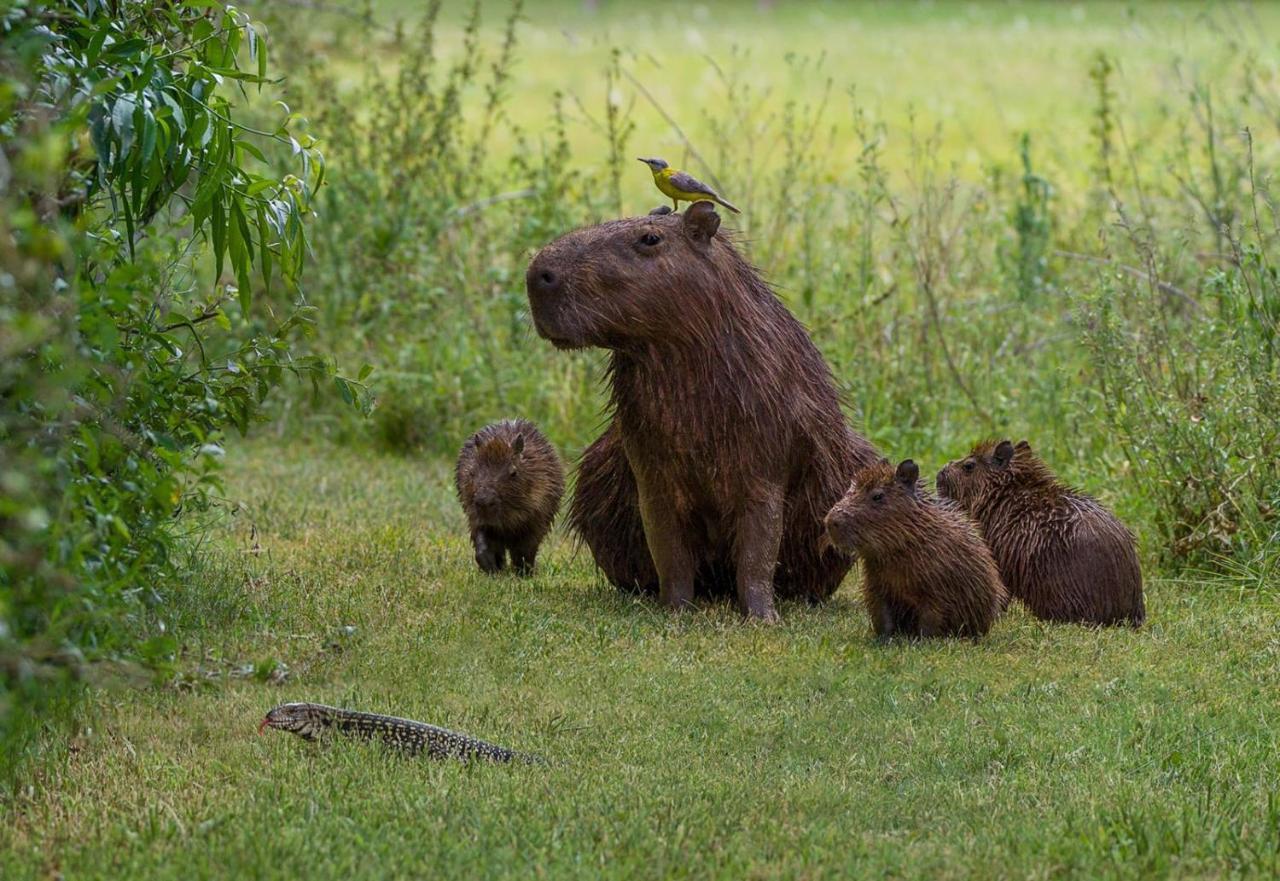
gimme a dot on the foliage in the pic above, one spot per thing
(1026, 259)
(424, 233)
(127, 184)
(1190, 387)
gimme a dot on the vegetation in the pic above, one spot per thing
(124, 359)
(1122, 314)
(1053, 221)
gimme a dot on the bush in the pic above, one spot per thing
(126, 185)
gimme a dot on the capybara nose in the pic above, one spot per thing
(543, 281)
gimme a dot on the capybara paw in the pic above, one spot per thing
(675, 600)
(764, 612)
(488, 561)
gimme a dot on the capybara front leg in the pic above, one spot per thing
(668, 545)
(891, 618)
(490, 554)
(523, 555)
(883, 620)
(932, 625)
(756, 555)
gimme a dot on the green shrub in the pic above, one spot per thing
(127, 186)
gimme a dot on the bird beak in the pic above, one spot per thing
(263, 726)
(645, 161)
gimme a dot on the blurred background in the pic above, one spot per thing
(1040, 219)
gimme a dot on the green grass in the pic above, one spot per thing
(698, 745)
(691, 746)
(985, 72)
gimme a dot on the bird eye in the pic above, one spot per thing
(877, 496)
(650, 239)
(967, 466)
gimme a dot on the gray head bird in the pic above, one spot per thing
(680, 186)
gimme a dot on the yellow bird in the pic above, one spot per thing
(682, 187)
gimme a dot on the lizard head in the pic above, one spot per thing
(305, 720)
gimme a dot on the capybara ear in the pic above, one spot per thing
(660, 210)
(1023, 446)
(517, 445)
(701, 222)
(884, 460)
(908, 474)
(1003, 453)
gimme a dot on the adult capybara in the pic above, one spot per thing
(509, 482)
(926, 569)
(1059, 551)
(727, 444)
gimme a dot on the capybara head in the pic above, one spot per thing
(493, 479)
(989, 467)
(881, 500)
(624, 282)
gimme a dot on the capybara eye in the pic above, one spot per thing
(967, 466)
(877, 496)
(512, 471)
(650, 239)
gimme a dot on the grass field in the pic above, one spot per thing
(691, 746)
(919, 250)
(983, 72)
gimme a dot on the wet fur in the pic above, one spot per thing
(721, 404)
(1059, 551)
(927, 571)
(525, 503)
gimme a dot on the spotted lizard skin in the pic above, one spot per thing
(312, 721)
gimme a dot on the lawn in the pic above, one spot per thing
(1114, 299)
(689, 746)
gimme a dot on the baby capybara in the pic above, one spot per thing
(727, 444)
(509, 481)
(926, 569)
(1059, 551)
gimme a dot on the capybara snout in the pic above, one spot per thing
(545, 285)
(545, 282)
(837, 529)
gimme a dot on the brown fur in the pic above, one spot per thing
(727, 443)
(927, 571)
(1059, 551)
(509, 482)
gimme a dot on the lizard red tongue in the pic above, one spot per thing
(263, 726)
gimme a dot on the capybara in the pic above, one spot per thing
(509, 481)
(1059, 551)
(926, 570)
(727, 444)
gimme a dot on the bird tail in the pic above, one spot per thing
(731, 207)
